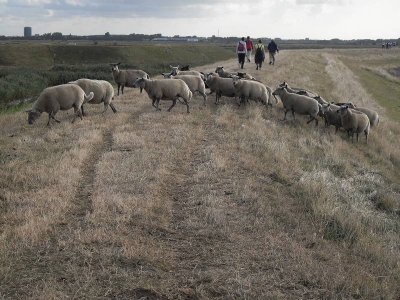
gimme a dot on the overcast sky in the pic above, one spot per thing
(315, 19)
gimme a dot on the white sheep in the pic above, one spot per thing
(60, 97)
(354, 122)
(103, 92)
(372, 115)
(221, 86)
(300, 104)
(165, 89)
(126, 77)
(175, 71)
(246, 89)
(194, 82)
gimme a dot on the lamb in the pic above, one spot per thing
(195, 83)
(354, 122)
(221, 86)
(63, 97)
(103, 92)
(329, 112)
(372, 115)
(300, 104)
(126, 77)
(245, 89)
(175, 71)
(164, 89)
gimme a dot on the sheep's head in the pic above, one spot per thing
(219, 69)
(236, 80)
(343, 110)
(284, 84)
(325, 108)
(139, 83)
(185, 68)
(166, 75)
(32, 116)
(114, 67)
(279, 90)
(174, 70)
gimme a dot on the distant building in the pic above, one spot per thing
(27, 32)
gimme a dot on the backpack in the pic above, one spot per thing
(259, 51)
(249, 44)
(240, 47)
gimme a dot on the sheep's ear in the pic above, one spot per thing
(118, 64)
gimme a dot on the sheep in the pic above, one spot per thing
(222, 73)
(320, 100)
(298, 91)
(221, 86)
(372, 115)
(354, 121)
(164, 89)
(300, 104)
(245, 89)
(103, 92)
(175, 71)
(126, 77)
(328, 112)
(246, 76)
(63, 97)
(195, 84)
(184, 68)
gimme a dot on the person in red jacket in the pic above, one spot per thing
(249, 48)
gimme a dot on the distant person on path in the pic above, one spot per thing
(259, 55)
(241, 52)
(249, 48)
(272, 49)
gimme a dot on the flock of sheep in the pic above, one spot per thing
(180, 84)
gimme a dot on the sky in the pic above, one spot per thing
(288, 19)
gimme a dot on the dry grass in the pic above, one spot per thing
(222, 203)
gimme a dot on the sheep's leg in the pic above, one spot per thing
(357, 137)
(48, 122)
(173, 104)
(294, 118)
(366, 136)
(105, 108)
(113, 108)
(336, 130)
(154, 103)
(286, 111)
(187, 106)
(83, 113)
(205, 97)
(122, 88)
(119, 85)
(157, 104)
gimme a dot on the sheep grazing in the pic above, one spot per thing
(300, 104)
(103, 92)
(245, 89)
(194, 82)
(372, 115)
(165, 89)
(126, 77)
(221, 86)
(354, 122)
(60, 97)
(329, 113)
(175, 71)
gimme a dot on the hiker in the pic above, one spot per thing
(259, 55)
(249, 48)
(241, 52)
(272, 49)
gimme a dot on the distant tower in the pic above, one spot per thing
(27, 32)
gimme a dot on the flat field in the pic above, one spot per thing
(226, 202)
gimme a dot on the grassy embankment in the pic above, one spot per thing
(27, 68)
(223, 203)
